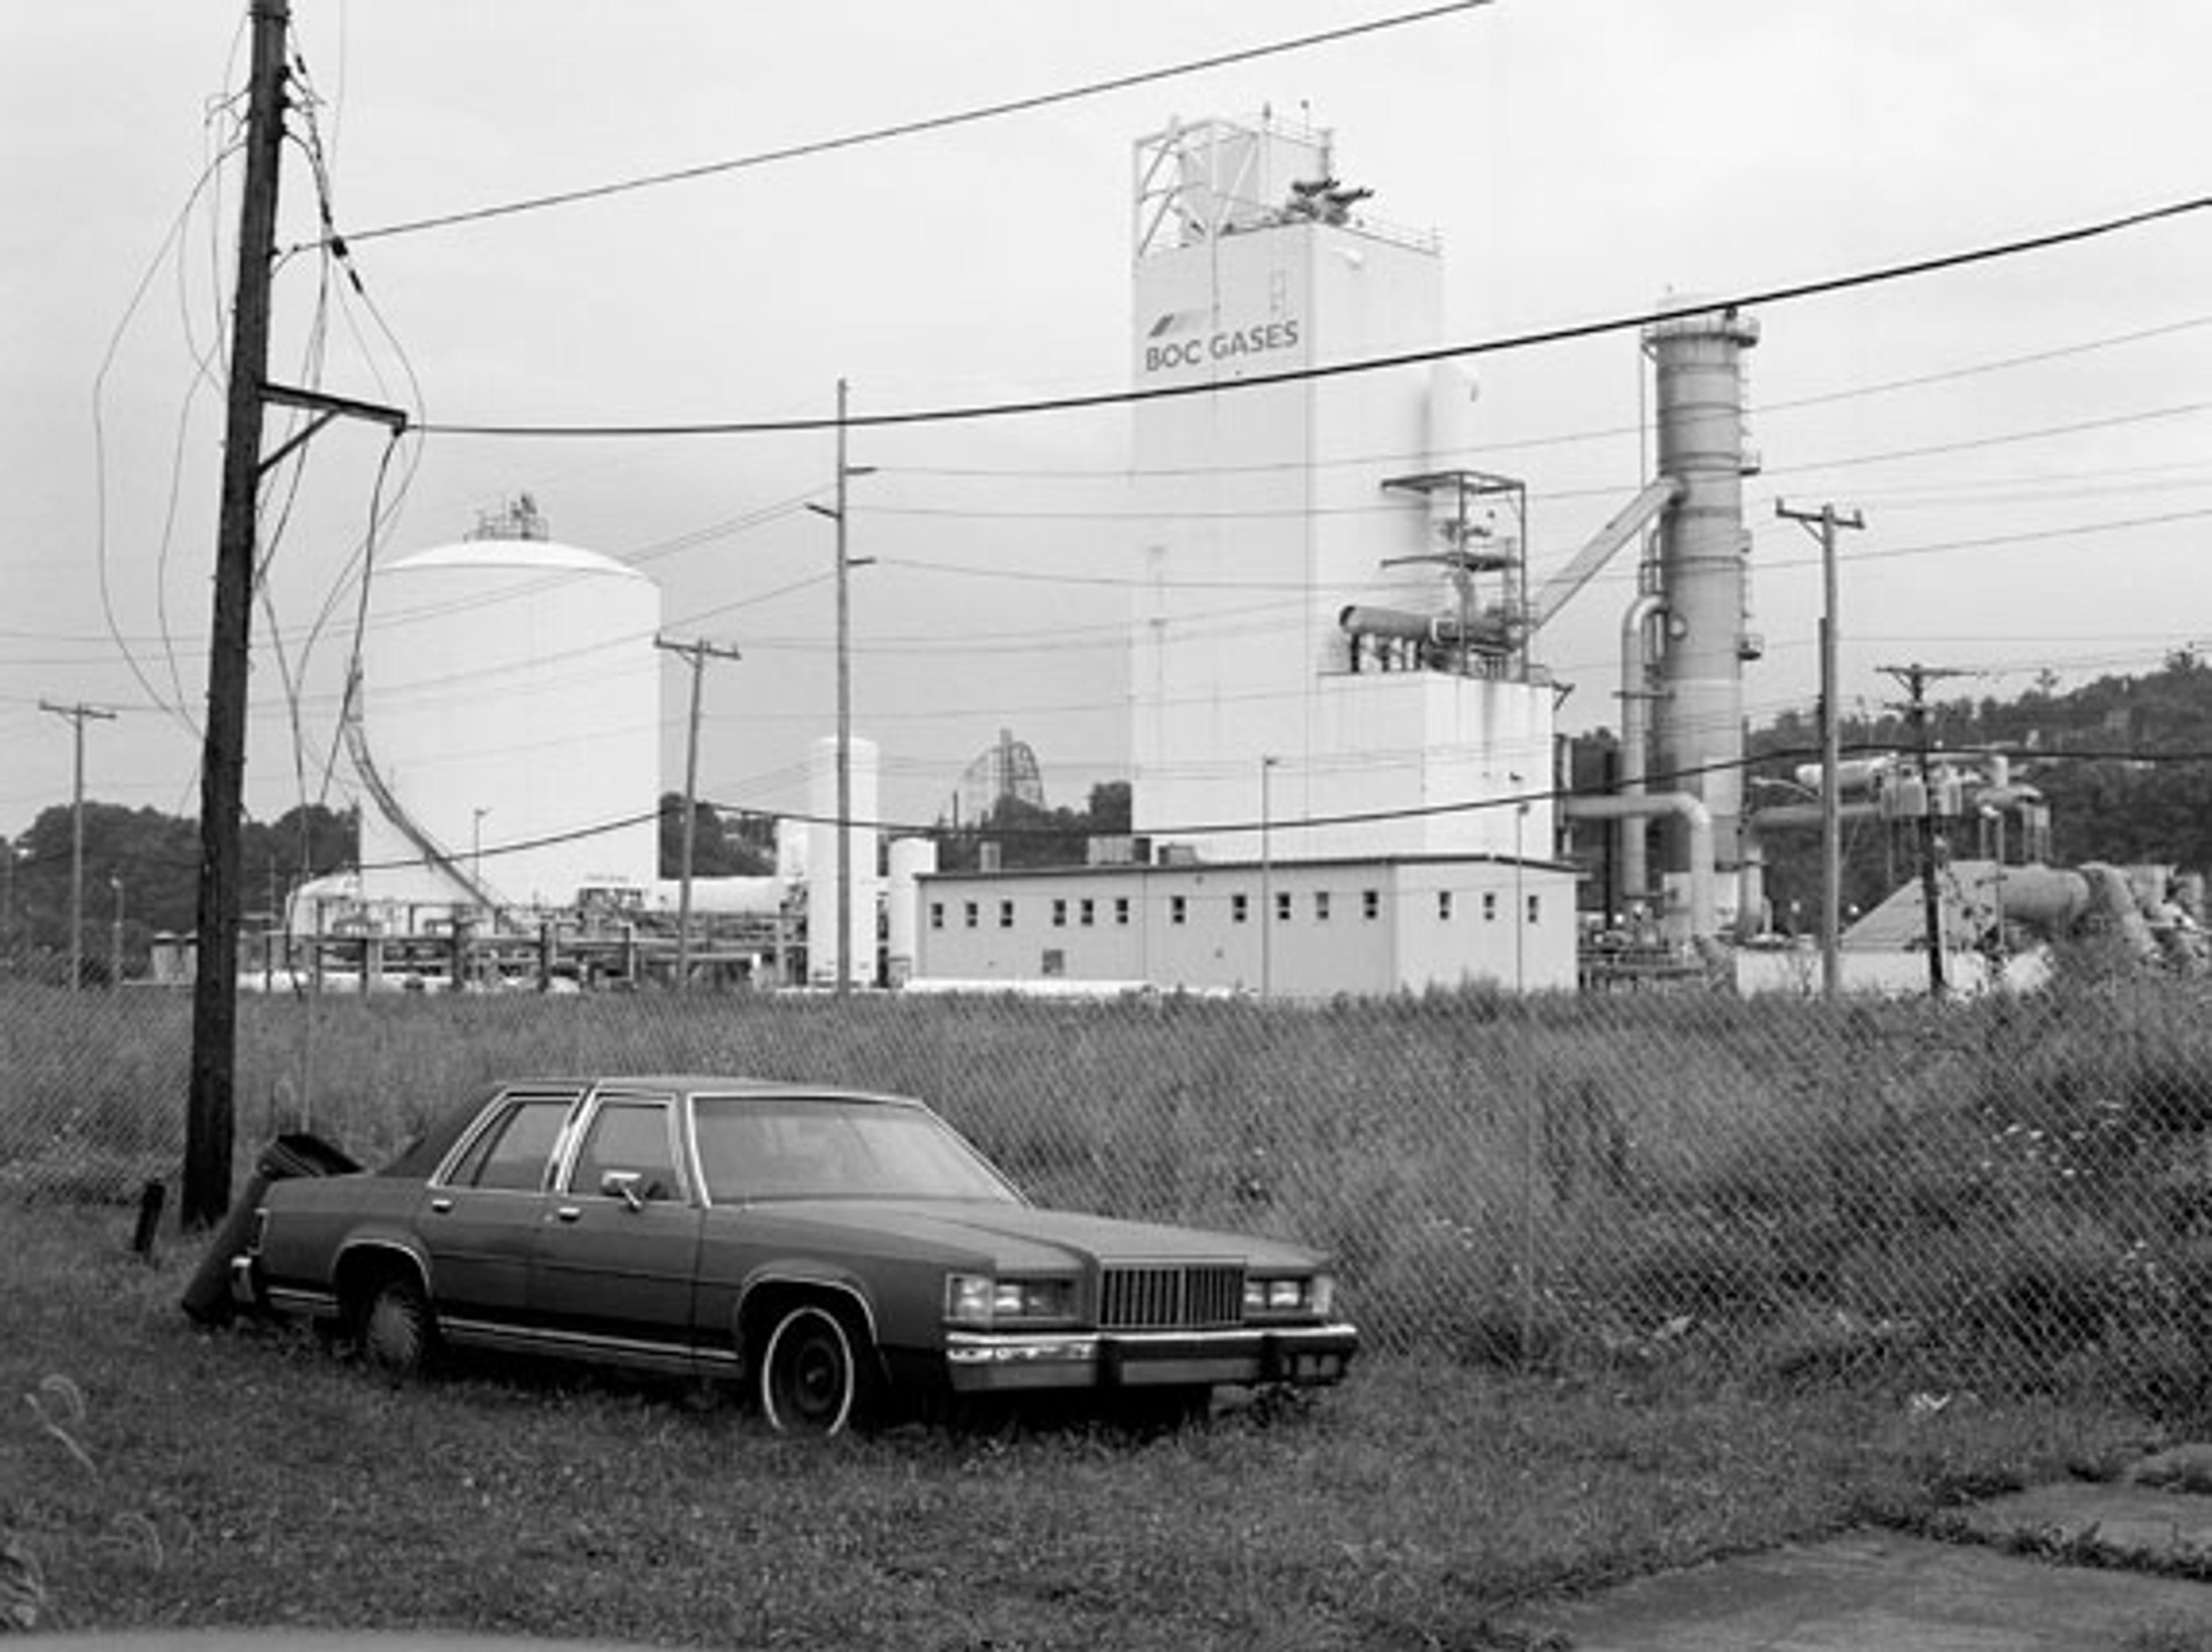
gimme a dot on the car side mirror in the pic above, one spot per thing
(628, 1186)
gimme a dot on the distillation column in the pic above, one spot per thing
(1697, 745)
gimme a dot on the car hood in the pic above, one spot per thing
(1020, 1236)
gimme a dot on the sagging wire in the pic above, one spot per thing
(348, 707)
(336, 255)
(174, 704)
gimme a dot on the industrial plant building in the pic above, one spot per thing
(1298, 929)
(1344, 774)
(1344, 770)
(1363, 801)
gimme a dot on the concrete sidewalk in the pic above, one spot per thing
(2069, 1568)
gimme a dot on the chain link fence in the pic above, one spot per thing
(2013, 1194)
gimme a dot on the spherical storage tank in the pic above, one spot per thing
(511, 709)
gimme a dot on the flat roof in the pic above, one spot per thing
(1154, 868)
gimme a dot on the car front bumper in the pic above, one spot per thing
(1307, 1355)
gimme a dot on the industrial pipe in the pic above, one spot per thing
(1635, 734)
(1487, 631)
(1693, 814)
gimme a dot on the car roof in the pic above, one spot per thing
(429, 1149)
(704, 1083)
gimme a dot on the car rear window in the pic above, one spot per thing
(511, 1152)
(753, 1148)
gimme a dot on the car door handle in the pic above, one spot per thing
(570, 1212)
(441, 1207)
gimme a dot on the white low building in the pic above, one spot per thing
(1302, 929)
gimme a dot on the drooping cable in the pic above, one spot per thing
(916, 128)
(1760, 298)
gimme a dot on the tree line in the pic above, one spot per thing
(2125, 763)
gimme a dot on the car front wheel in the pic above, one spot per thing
(397, 1334)
(811, 1378)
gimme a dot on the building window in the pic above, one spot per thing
(1006, 915)
(1239, 907)
(1320, 906)
(1490, 906)
(1178, 908)
(1059, 915)
(1370, 904)
(1443, 906)
(1087, 914)
(1282, 906)
(968, 911)
(937, 915)
(1121, 910)
(1054, 962)
(1536, 907)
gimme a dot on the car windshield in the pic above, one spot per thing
(755, 1148)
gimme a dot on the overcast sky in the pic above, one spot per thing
(2030, 440)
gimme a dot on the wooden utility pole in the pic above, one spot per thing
(698, 653)
(846, 563)
(1916, 678)
(208, 1119)
(209, 1116)
(1831, 813)
(79, 714)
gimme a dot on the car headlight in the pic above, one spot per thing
(1311, 1294)
(986, 1303)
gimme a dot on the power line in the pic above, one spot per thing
(1555, 439)
(1567, 333)
(909, 128)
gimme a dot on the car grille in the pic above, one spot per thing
(1169, 1298)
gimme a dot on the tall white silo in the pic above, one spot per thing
(825, 952)
(510, 725)
(911, 859)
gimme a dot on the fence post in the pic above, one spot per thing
(1532, 1099)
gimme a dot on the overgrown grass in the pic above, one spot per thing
(2008, 1198)
(158, 1475)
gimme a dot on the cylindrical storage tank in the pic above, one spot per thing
(1698, 738)
(911, 857)
(825, 953)
(511, 711)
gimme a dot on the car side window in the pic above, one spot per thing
(511, 1153)
(629, 1136)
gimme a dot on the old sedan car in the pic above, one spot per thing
(838, 1253)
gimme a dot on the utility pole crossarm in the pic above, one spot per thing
(1825, 514)
(325, 408)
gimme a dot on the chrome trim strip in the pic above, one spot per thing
(299, 1299)
(964, 1350)
(583, 1345)
(975, 1348)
